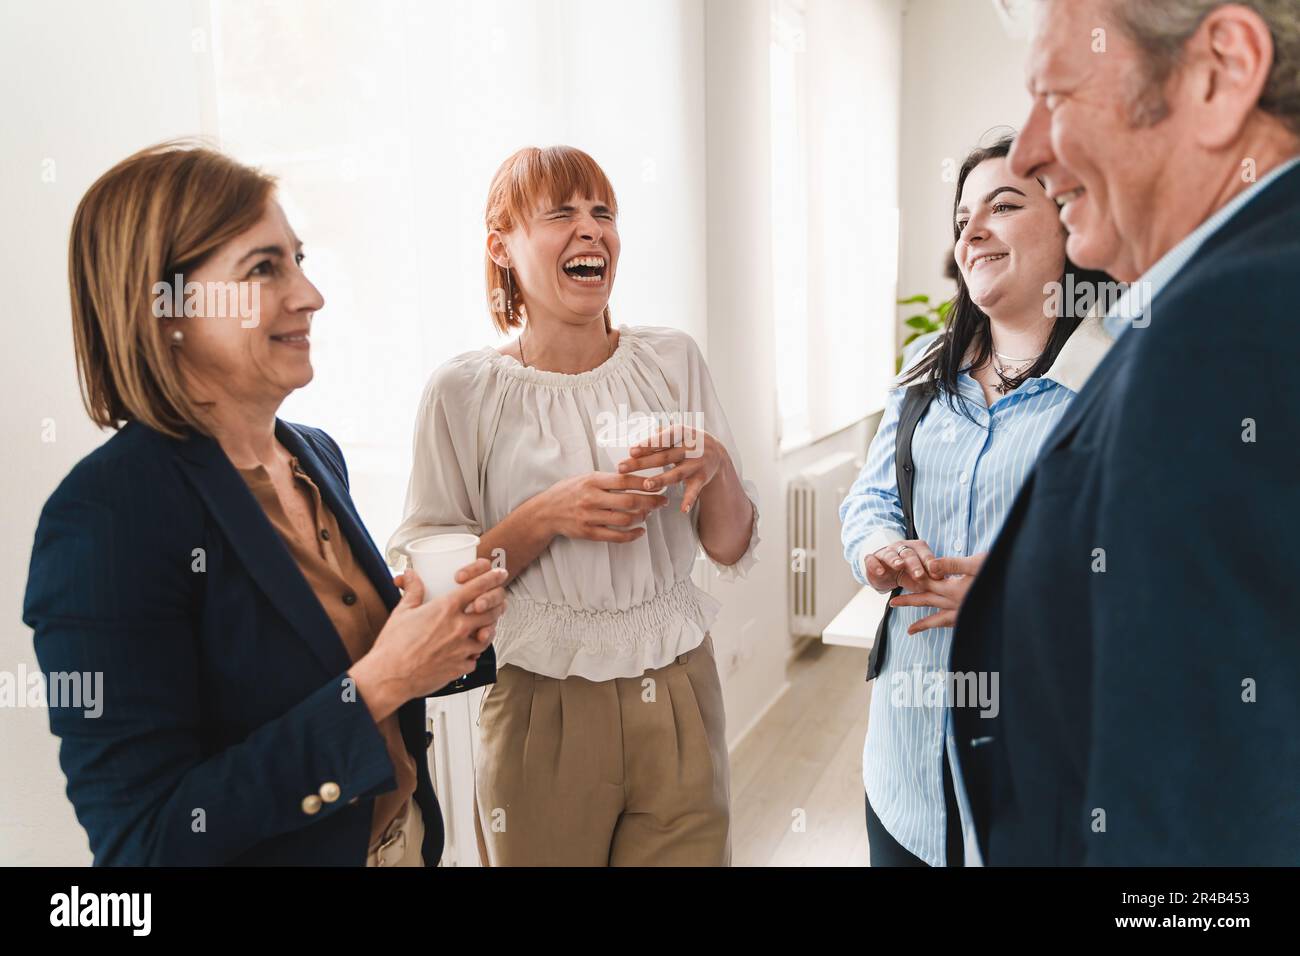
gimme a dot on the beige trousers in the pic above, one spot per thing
(402, 842)
(625, 772)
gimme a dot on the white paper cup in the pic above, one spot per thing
(617, 445)
(620, 453)
(436, 560)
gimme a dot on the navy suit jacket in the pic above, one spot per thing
(1140, 604)
(223, 697)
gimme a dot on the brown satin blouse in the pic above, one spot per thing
(352, 603)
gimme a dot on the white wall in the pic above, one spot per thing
(85, 84)
(963, 75)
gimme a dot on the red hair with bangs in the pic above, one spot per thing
(524, 181)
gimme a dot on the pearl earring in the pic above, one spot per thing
(177, 337)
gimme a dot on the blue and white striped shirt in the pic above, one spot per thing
(967, 474)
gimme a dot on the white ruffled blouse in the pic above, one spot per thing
(491, 433)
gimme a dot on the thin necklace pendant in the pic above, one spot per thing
(520, 342)
(1005, 383)
(1008, 377)
(1008, 360)
(1001, 365)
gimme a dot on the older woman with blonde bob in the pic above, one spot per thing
(263, 679)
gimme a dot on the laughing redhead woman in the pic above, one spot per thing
(603, 740)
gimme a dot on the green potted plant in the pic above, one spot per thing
(921, 323)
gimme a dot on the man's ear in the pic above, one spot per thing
(1227, 63)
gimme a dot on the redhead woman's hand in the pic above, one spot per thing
(423, 647)
(899, 565)
(598, 507)
(692, 456)
(956, 575)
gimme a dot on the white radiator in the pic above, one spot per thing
(820, 580)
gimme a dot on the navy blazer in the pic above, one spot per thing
(1140, 605)
(224, 701)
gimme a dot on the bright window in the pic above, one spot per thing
(834, 68)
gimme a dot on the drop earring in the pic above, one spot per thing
(510, 298)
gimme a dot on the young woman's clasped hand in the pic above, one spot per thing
(927, 581)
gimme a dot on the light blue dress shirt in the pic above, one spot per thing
(967, 474)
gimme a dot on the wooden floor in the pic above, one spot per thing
(796, 777)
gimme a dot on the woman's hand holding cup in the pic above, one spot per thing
(423, 647)
(600, 506)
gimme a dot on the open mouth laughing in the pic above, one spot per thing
(589, 270)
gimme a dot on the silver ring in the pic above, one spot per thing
(902, 549)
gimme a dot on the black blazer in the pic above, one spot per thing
(1149, 705)
(224, 703)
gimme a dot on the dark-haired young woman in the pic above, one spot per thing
(994, 383)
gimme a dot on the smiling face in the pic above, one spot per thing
(564, 258)
(260, 358)
(1009, 242)
(1107, 174)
